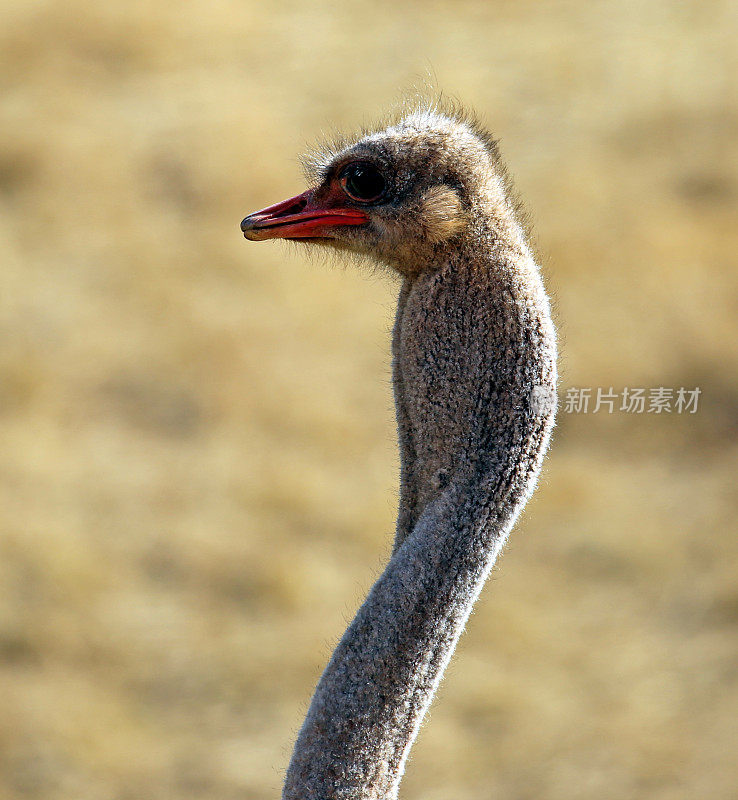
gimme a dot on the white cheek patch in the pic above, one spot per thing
(441, 214)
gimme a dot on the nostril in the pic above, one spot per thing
(298, 206)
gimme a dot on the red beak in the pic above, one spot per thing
(299, 218)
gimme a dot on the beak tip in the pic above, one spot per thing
(249, 230)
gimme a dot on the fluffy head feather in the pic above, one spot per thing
(444, 183)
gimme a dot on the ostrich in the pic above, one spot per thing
(474, 374)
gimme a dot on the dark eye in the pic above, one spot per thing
(362, 182)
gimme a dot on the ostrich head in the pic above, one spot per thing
(400, 195)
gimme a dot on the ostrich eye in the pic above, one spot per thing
(362, 182)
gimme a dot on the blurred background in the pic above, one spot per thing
(198, 464)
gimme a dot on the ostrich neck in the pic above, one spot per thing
(474, 377)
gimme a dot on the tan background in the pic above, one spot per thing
(197, 458)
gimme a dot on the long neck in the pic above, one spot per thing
(474, 378)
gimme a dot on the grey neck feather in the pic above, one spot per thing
(474, 375)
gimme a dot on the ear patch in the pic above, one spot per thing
(441, 213)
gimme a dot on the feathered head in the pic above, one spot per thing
(399, 194)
